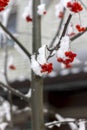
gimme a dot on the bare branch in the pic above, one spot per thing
(64, 30)
(17, 42)
(58, 31)
(62, 35)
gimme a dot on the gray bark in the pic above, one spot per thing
(37, 82)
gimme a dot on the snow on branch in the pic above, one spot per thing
(14, 91)
(74, 124)
(79, 124)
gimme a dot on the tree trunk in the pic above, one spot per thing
(37, 82)
(37, 103)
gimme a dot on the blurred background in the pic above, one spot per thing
(65, 90)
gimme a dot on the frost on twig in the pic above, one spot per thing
(74, 124)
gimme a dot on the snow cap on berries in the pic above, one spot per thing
(11, 65)
(58, 9)
(60, 53)
(64, 46)
(39, 64)
(35, 66)
(41, 58)
(37, 61)
(27, 15)
(41, 9)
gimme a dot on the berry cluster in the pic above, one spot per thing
(46, 68)
(74, 7)
(3, 4)
(80, 29)
(69, 59)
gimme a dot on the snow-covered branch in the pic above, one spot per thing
(14, 91)
(74, 124)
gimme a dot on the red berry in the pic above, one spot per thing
(59, 59)
(46, 68)
(79, 28)
(66, 53)
(28, 19)
(12, 67)
(74, 55)
(69, 4)
(61, 14)
(68, 66)
(44, 12)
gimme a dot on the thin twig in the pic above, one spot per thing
(62, 35)
(64, 30)
(17, 42)
(78, 35)
(58, 31)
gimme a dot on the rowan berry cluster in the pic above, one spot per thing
(47, 68)
(3, 4)
(80, 29)
(74, 6)
(69, 59)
